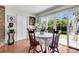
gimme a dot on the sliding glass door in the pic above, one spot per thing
(74, 29)
(59, 21)
(51, 22)
(61, 24)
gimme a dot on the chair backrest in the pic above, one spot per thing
(31, 34)
(55, 39)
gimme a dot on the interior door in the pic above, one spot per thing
(21, 27)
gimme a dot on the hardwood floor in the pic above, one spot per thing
(23, 46)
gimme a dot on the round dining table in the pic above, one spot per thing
(44, 36)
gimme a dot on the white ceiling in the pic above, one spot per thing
(33, 9)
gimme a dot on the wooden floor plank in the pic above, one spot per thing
(22, 46)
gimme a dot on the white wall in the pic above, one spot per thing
(21, 23)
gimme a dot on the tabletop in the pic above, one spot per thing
(44, 35)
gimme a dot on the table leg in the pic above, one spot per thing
(45, 47)
(45, 50)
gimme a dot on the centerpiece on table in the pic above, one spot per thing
(43, 28)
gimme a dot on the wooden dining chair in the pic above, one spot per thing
(33, 42)
(55, 41)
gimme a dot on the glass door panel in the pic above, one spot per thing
(61, 24)
(74, 31)
(78, 32)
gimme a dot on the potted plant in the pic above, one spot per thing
(42, 28)
(11, 31)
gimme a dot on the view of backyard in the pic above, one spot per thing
(62, 26)
(60, 21)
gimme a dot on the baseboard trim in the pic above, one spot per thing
(5, 43)
(2, 44)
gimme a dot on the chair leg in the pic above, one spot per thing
(29, 49)
(34, 48)
(41, 48)
(53, 50)
(57, 50)
(49, 49)
(37, 51)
